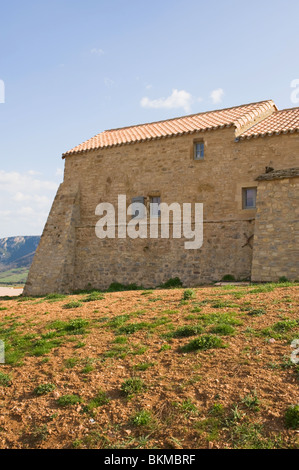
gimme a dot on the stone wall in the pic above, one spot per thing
(276, 239)
(163, 167)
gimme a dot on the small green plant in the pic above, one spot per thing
(188, 407)
(144, 366)
(223, 304)
(188, 294)
(172, 283)
(185, 331)
(120, 340)
(256, 312)
(72, 304)
(251, 401)
(165, 347)
(69, 400)
(94, 296)
(71, 362)
(131, 328)
(100, 399)
(43, 389)
(141, 418)
(222, 330)
(5, 380)
(132, 386)
(118, 287)
(283, 279)
(284, 325)
(217, 409)
(55, 297)
(228, 278)
(292, 417)
(203, 343)
(40, 433)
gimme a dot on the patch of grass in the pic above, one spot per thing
(71, 362)
(261, 289)
(188, 407)
(251, 401)
(203, 343)
(222, 330)
(188, 294)
(186, 331)
(43, 389)
(196, 309)
(2, 309)
(131, 328)
(54, 297)
(292, 417)
(141, 418)
(5, 380)
(284, 326)
(72, 304)
(132, 386)
(228, 278)
(120, 340)
(219, 318)
(69, 400)
(217, 409)
(118, 287)
(210, 427)
(223, 304)
(100, 399)
(142, 366)
(165, 347)
(93, 297)
(118, 321)
(255, 312)
(172, 283)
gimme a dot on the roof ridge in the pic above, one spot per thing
(187, 116)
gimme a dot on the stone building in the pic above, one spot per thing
(242, 163)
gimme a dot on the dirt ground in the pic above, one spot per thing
(71, 363)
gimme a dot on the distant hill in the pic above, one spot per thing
(17, 252)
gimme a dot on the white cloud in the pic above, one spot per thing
(96, 51)
(25, 202)
(178, 99)
(217, 95)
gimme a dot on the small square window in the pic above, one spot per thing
(138, 208)
(155, 206)
(249, 198)
(199, 151)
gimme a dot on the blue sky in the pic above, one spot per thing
(74, 68)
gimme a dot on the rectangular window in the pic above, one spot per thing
(138, 208)
(249, 198)
(199, 151)
(155, 206)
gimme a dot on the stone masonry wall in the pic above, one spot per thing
(276, 240)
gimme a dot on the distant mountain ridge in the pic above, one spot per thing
(17, 252)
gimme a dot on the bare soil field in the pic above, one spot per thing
(154, 369)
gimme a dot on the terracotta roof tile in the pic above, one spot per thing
(239, 116)
(284, 121)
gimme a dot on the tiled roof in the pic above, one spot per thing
(240, 117)
(280, 122)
